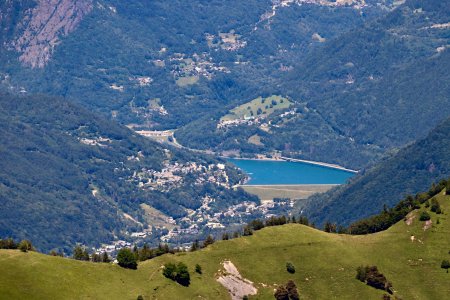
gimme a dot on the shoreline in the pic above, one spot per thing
(166, 133)
(288, 184)
(289, 159)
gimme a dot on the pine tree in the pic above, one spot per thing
(78, 253)
(195, 246)
(105, 258)
(209, 241)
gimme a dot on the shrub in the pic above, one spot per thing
(435, 207)
(127, 259)
(424, 216)
(445, 265)
(281, 293)
(25, 246)
(209, 241)
(372, 277)
(290, 268)
(198, 269)
(292, 290)
(287, 292)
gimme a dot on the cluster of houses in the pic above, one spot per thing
(173, 174)
(197, 65)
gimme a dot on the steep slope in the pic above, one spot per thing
(409, 171)
(325, 266)
(385, 84)
(68, 176)
(158, 65)
(357, 95)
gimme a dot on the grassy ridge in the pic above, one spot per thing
(325, 265)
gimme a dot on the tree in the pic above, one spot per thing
(209, 241)
(25, 246)
(247, 231)
(445, 265)
(225, 236)
(195, 246)
(8, 244)
(105, 258)
(178, 273)
(127, 259)
(183, 276)
(198, 269)
(330, 227)
(290, 268)
(78, 253)
(281, 293)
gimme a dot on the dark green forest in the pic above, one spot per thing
(47, 175)
(407, 172)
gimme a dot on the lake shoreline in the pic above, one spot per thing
(289, 159)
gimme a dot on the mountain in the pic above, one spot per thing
(406, 172)
(356, 95)
(160, 65)
(409, 255)
(69, 176)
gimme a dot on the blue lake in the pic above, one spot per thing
(263, 172)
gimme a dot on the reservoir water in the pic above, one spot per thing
(266, 172)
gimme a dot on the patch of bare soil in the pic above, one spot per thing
(410, 218)
(427, 225)
(237, 286)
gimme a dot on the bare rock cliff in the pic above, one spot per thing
(44, 25)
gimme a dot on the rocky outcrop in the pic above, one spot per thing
(44, 25)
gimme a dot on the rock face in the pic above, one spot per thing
(43, 26)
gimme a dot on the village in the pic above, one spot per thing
(174, 174)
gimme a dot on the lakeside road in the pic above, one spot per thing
(163, 137)
(318, 163)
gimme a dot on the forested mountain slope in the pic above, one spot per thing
(407, 172)
(357, 95)
(160, 65)
(68, 176)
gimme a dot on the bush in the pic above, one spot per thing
(371, 276)
(127, 259)
(424, 216)
(445, 265)
(198, 269)
(290, 268)
(435, 206)
(288, 292)
(25, 246)
(178, 273)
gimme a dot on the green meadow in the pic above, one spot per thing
(265, 107)
(325, 266)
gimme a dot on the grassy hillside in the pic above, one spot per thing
(410, 170)
(325, 266)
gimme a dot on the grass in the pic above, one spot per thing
(187, 80)
(255, 140)
(249, 109)
(302, 191)
(325, 266)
